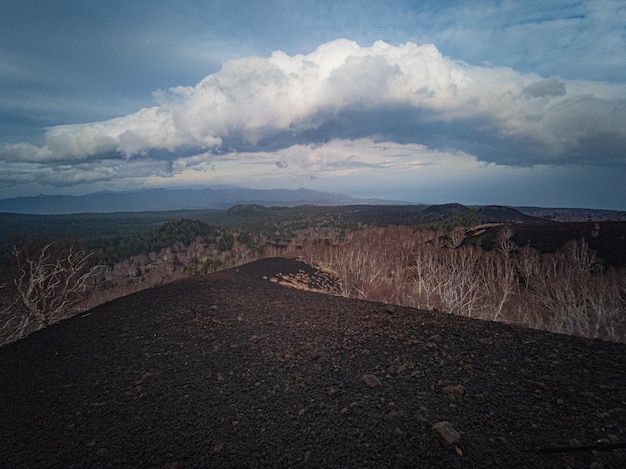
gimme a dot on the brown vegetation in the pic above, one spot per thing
(49, 281)
(567, 291)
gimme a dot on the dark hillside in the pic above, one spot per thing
(499, 214)
(607, 238)
(232, 370)
(436, 212)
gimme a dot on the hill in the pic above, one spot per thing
(607, 239)
(574, 214)
(500, 214)
(234, 370)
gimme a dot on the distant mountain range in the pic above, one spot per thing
(157, 200)
(173, 199)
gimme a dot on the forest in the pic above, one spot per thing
(559, 277)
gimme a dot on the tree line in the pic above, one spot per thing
(568, 291)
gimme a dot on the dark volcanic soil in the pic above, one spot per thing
(232, 370)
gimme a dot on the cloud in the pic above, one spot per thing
(84, 173)
(545, 89)
(407, 93)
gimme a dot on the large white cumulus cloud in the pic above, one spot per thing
(253, 100)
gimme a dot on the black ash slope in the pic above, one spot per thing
(234, 371)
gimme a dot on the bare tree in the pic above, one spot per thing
(578, 297)
(505, 241)
(582, 256)
(459, 287)
(528, 265)
(11, 325)
(499, 281)
(48, 284)
(456, 237)
(423, 274)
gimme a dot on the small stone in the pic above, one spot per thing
(307, 456)
(301, 412)
(213, 308)
(392, 414)
(447, 435)
(301, 382)
(453, 392)
(371, 380)
(332, 391)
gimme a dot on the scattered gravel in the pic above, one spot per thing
(234, 370)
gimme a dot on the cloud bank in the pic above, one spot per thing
(407, 94)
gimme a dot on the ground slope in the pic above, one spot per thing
(233, 370)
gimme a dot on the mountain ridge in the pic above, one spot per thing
(161, 199)
(226, 197)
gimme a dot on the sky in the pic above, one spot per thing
(478, 102)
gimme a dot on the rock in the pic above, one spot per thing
(392, 414)
(213, 308)
(453, 392)
(447, 435)
(371, 380)
(301, 382)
